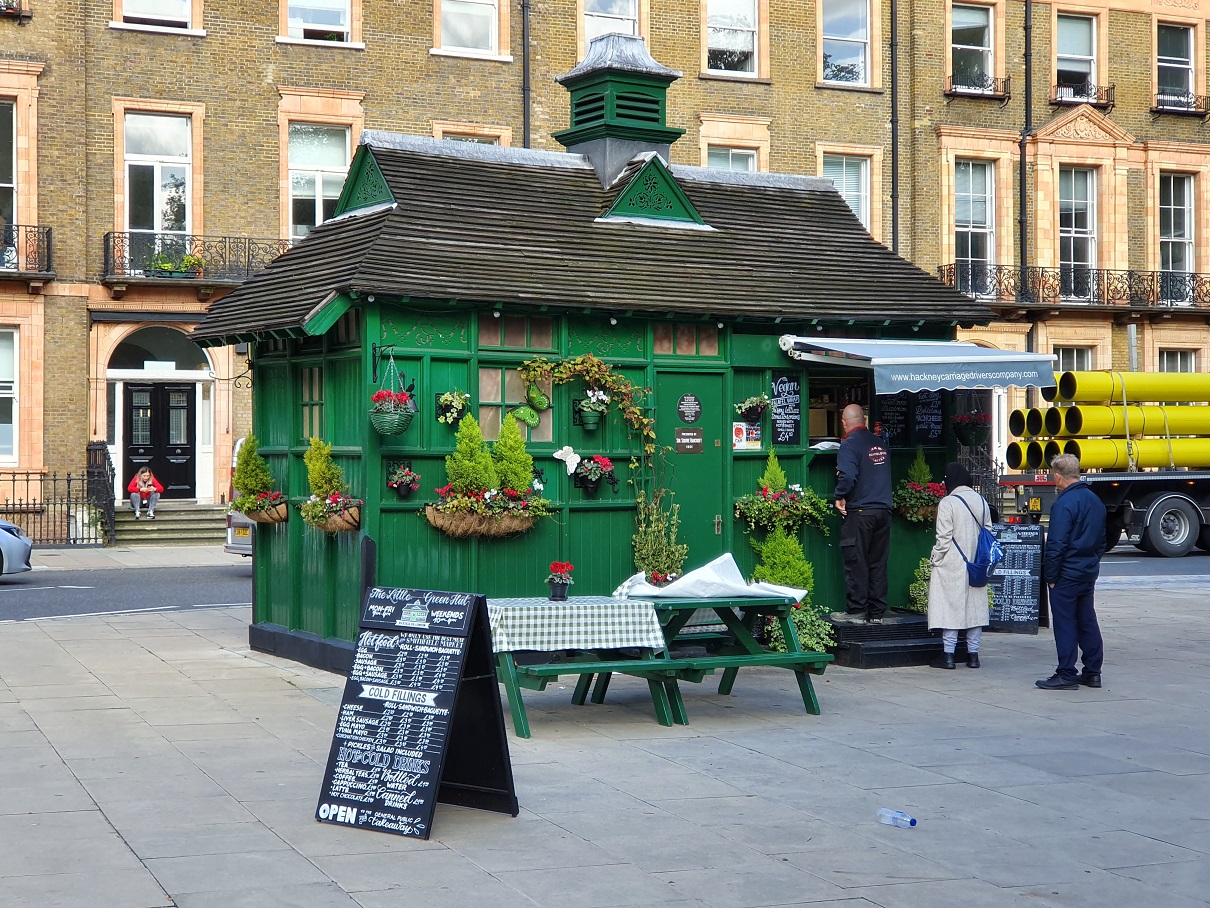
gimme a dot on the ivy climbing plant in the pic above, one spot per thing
(598, 374)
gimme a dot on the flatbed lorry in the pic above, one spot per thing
(1162, 512)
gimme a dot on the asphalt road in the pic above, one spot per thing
(1127, 561)
(57, 594)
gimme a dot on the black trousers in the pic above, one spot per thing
(1073, 618)
(865, 542)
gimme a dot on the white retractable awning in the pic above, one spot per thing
(900, 365)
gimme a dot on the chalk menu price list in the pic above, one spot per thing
(787, 409)
(1016, 582)
(415, 724)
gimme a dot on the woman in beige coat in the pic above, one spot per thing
(954, 604)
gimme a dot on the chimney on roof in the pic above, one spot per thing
(618, 105)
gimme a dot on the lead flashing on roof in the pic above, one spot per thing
(619, 220)
(474, 151)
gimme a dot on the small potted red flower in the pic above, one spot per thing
(559, 580)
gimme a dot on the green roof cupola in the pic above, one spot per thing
(618, 105)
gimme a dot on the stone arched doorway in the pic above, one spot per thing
(159, 405)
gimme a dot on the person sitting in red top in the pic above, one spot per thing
(144, 488)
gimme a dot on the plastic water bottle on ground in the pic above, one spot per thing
(895, 818)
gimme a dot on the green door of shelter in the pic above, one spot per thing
(691, 421)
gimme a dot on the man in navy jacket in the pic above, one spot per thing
(863, 498)
(1075, 542)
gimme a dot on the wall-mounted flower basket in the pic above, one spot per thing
(590, 420)
(344, 522)
(392, 422)
(590, 486)
(752, 416)
(276, 514)
(464, 525)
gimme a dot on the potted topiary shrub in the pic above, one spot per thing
(252, 480)
(330, 507)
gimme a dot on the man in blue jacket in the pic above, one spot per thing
(863, 498)
(1075, 542)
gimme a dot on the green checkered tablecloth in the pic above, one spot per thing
(582, 622)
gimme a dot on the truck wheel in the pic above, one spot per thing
(1203, 539)
(1173, 528)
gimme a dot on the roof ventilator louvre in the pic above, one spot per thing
(588, 109)
(639, 107)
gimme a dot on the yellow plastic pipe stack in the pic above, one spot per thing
(1014, 454)
(1054, 422)
(1112, 454)
(1095, 387)
(1141, 420)
(1035, 455)
(1016, 423)
(1026, 422)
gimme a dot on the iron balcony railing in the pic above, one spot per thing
(222, 259)
(1079, 286)
(25, 250)
(1182, 102)
(1083, 93)
(63, 510)
(978, 85)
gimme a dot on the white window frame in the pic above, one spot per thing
(860, 201)
(1176, 290)
(493, 48)
(1183, 99)
(964, 266)
(317, 173)
(734, 151)
(158, 164)
(754, 30)
(1072, 92)
(1071, 287)
(607, 22)
(1181, 358)
(153, 20)
(10, 390)
(1072, 359)
(295, 29)
(864, 44)
(988, 51)
(8, 184)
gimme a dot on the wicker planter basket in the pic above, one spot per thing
(342, 523)
(276, 514)
(462, 525)
(393, 422)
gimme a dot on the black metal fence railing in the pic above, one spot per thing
(1082, 93)
(1182, 102)
(1086, 286)
(978, 85)
(187, 257)
(25, 249)
(63, 510)
(101, 475)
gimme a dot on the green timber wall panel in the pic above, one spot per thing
(627, 340)
(600, 548)
(421, 330)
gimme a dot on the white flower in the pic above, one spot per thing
(597, 396)
(490, 494)
(795, 487)
(537, 486)
(569, 457)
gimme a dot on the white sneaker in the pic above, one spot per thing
(137, 515)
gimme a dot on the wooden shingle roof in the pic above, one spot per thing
(520, 228)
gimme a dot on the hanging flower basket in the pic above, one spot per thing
(343, 522)
(590, 420)
(972, 435)
(391, 422)
(752, 416)
(276, 514)
(465, 525)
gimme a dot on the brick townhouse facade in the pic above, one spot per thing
(155, 152)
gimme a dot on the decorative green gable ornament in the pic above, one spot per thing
(653, 193)
(365, 186)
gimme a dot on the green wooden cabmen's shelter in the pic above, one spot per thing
(455, 263)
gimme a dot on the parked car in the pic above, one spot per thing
(241, 532)
(15, 548)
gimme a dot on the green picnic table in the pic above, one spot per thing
(597, 636)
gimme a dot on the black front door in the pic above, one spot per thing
(160, 433)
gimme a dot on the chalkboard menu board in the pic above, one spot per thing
(893, 416)
(787, 409)
(1016, 582)
(420, 720)
(927, 418)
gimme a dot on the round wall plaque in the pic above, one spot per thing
(689, 408)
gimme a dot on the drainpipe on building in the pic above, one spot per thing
(1022, 194)
(894, 126)
(525, 86)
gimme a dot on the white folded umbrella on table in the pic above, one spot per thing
(720, 579)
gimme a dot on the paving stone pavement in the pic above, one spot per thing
(153, 760)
